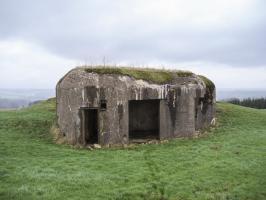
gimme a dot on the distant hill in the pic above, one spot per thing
(224, 94)
(17, 98)
(13, 103)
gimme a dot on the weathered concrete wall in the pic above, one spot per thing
(178, 105)
(205, 110)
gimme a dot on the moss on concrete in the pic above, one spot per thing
(159, 76)
(209, 84)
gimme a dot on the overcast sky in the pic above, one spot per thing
(222, 39)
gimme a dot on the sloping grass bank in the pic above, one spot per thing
(227, 163)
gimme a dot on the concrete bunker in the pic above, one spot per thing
(110, 106)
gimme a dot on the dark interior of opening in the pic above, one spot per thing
(103, 105)
(144, 119)
(90, 126)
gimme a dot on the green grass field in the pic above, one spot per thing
(228, 162)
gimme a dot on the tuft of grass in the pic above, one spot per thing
(228, 162)
(181, 73)
(158, 76)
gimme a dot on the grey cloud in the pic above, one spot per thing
(89, 29)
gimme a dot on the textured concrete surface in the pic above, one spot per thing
(184, 106)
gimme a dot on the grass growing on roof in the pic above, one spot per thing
(158, 76)
(209, 84)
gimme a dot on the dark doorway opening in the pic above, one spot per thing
(90, 125)
(144, 119)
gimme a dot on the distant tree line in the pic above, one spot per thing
(259, 103)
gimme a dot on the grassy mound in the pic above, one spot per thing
(148, 74)
(226, 163)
